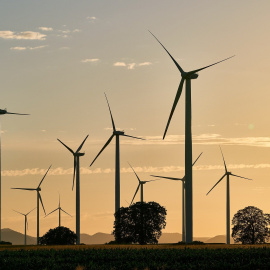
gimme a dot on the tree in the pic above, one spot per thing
(251, 226)
(140, 223)
(58, 236)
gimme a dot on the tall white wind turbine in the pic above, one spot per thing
(38, 189)
(141, 183)
(117, 134)
(186, 76)
(2, 112)
(76, 172)
(183, 198)
(227, 197)
(59, 213)
(25, 223)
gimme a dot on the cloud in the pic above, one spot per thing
(91, 19)
(131, 65)
(22, 35)
(93, 60)
(145, 169)
(28, 48)
(64, 48)
(203, 139)
(45, 28)
(110, 128)
(119, 64)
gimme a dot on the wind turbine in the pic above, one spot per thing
(76, 172)
(1, 113)
(141, 183)
(117, 134)
(186, 76)
(38, 189)
(227, 196)
(25, 223)
(60, 209)
(183, 198)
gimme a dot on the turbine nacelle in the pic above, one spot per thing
(192, 76)
(38, 189)
(3, 111)
(118, 132)
(79, 154)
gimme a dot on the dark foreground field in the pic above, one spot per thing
(135, 257)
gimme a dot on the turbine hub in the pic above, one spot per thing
(79, 154)
(38, 189)
(118, 132)
(191, 76)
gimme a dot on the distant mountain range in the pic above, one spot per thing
(17, 238)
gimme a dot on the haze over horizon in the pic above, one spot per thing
(58, 59)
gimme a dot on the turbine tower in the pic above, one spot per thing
(183, 198)
(76, 172)
(186, 76)
(60, 209)
(25, 223)
(141, 183)
(117, 134)
(1, 113)
(38, 189)
(227, 197)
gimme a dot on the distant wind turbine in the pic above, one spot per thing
(227, 196)
(183, 198)
(141, 183)
(25, 223)
(117, 134)
(76, 172)
(60, 209)
(186, 76)
(38, 189)
(1, 113)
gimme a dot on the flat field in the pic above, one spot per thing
(213, 256)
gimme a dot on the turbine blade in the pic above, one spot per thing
(80, 147)
(135, 193)
(241, 176)
(170, 178)
(25, 188)
(223, 160)
(74, 171)
(197, 158)
(151, 180)
(18, 212)
(110, 113)
(69, 149)
(44, 177)
(17, 113)
(31, 211)
(106, 144)
(216, 183)
(135, 173)
(177, 97)
(178, 66)
(65, 212)
(41, 203)
(133, 137)
(197, 70)
(51, 212)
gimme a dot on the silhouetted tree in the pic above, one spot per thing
(58, 236)
(251, 226)
(140, 223)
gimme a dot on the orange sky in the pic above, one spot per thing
(56, 64)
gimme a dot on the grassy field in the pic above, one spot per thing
(213, 256)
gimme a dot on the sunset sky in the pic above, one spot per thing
(59, 57)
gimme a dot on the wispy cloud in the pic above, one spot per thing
(93, 60)
(22, 35)
(110, 128)
(28, 48)
(91, 18)
(131, 65)
(204, 139)
(145, 169)
(43, 28)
